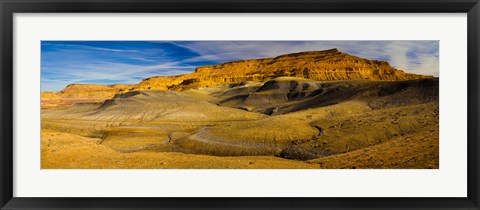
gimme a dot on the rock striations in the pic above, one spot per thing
(80, 93)
(316, 65)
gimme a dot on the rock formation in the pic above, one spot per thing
(79, 93)
(316, 65)
(324, 65)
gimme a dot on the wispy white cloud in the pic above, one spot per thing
(143, 59)
(94, 48)
(398, 54)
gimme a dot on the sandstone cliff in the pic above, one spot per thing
(316, 65)
(78, 93)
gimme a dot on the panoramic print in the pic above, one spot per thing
(239, 104)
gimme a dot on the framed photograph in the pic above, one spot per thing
(239, 104)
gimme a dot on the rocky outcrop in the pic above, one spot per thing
(81, 93)
(93, 90)
(316, 65)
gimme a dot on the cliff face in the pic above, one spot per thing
(316, 65)
(92, 90)
(79, 93)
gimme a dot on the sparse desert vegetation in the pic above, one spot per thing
(309, 110)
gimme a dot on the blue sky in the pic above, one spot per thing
(128, 62)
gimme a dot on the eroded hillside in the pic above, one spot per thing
(321, 109)
(285, 122)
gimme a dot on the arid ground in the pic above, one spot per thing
(309, 110)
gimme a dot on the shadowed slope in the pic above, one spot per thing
(288, 94)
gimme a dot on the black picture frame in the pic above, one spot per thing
(9, 7)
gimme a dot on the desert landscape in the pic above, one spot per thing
(323, 109)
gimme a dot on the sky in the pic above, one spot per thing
(129, 62)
